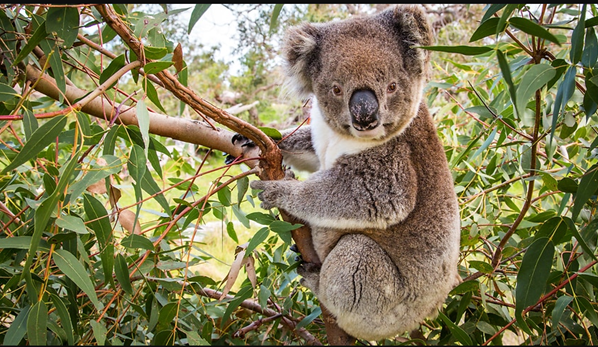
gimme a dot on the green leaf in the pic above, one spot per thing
(37, 324)
(156, 66)
(95, 174)
(559, 307)
(143, 122)
(122, 274)
(137, 163)
(72, 268)
(17, 329)
(466, 286)
(563, 95)
(258, 238)
(274, 17)
(487, 28)
(112, 68)
(167, 314)
(243, 293)
(577, 37)
(588, 309)
(505, 69)
(465, 50)
(72, 223)
(34, 40)
(98, 221)
(579, 238)
(533, 273)
(535, 78)
(590, 49)
(151, 187)
(99, 332)
(271, 132)
(64, 21)
(198, 11)
(152, 94)
(22, 242)
(52, 51)
(137, 241)
(529, 27)
(457, 332)
(42, 137)
(242, 186)
(492, 10)
(310, 317)
(261, 218)
(587, 188)
(65, 318)
(155, 52)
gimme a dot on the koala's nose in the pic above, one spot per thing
(363, 106)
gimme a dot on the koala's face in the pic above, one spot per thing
(366, 77)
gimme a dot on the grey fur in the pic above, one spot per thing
(381, 205)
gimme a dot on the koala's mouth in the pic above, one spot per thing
(372, 131)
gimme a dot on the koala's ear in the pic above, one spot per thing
(411, 25)
(300, 52)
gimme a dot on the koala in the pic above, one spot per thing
(380, 200)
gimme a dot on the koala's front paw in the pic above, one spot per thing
(270, 194)
(311, 275)
(272, 191)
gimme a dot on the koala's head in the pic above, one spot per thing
(364, 71)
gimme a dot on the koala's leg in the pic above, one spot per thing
(361, 286)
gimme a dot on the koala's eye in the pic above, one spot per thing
(336, 90)
(391, 87)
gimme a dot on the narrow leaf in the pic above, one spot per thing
(143, 122)
(42, 137)
(529, 27)
(72, 268)
(151, 187)
(535, 78)
(492, 10)
(122, 274)
(99, 332)
(17, 328)
(137, 241)
(457, 332)
(65, 318)
(106, 166)
(506, 74)
(486, 29)
(258, 238)
(563, 95)
(590, 50)
(559, 308)
(577, 37)
(309, 318)
(587, 187)
(72, 223)
(274, 17)
(34, 40)
(533, 273)
(37, 324)
(198, 11)
(465, 50)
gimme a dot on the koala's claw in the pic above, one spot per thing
(244, 141)
(294, 248)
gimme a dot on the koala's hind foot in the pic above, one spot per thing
(310, 274)
(246, 144)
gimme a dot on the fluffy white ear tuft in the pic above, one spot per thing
(299, 51)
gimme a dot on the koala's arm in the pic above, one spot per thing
(359, 191)
(297, 149)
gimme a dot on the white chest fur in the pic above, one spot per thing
(330, 145)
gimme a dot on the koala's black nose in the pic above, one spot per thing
(363, 106)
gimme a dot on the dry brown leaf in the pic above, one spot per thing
(114, 195)
(250, 269)
(177, 58)
(126, 219)
(97, 188)
(233, 273)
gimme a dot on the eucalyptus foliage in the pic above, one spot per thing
(101, 222)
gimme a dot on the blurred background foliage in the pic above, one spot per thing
(110, 235)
